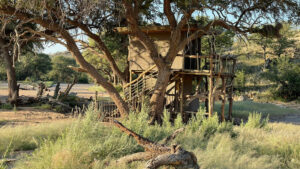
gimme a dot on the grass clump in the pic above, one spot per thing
(44, 106)
(29, 137)
(6, 106)
(255, 121)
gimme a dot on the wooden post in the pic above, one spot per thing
(211, 86)
(143, 90)
(230, 103)
(206, 90)
(96, 100)
(130, 88)
(223, 99)
(230, 99)
(181, 97)
(176, 95)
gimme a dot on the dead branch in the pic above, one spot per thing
(159, 154)
(140, 156)
(173, 136)
(69, 87)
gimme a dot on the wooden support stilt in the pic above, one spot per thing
(96, 101)
(181, 98)
(211, 86)
(130, 88)
(230, 99)
(230, 104)
(223, 99)
(206, 91)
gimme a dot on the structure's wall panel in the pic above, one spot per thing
(139, 58)
(178, 63)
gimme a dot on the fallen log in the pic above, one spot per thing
(159, 154)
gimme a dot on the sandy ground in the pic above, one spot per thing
(29, 116)
(80, 89)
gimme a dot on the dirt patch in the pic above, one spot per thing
(29, 116)
(290, 118)
(81, 90)
(291, 105)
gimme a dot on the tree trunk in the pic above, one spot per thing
(157, 100)
(92, 71)
(13, 92)
(72, 47)
(57, 88)
(265, 56)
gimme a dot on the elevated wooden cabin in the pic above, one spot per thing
(195, 77)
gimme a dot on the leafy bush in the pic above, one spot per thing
(240, 80)
(286, 76)
(44, 106)
(6, 106)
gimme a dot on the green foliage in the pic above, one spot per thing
(6, 106)
(240, 80)
(45, 106)
(119, 53)
(35, 66)
(255, 121)
(286, 76)
(285, 41)
(209, 126)
(71, 100)
(62, 73)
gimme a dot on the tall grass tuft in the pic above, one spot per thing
(29, 137)
(255, 121)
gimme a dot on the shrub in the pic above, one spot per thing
(44, 106)
(209, 126)
(286, 76)
(240, 80)
(6, 106)
(255, 121)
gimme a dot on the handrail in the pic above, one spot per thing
(139, 77)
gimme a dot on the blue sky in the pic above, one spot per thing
(53, 48)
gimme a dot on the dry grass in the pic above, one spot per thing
(31, 136)
(89, 144)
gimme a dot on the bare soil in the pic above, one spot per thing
(29, 116)
(294, 118)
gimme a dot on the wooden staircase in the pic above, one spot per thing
(142, 86)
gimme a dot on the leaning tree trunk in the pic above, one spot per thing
(13, 89)
(157, 101)
(111, 90)
(158, 155)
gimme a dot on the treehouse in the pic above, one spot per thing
(195, 78)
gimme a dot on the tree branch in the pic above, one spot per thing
(102, 47)
(42, 34)
(169, 13)
(132, 18)
(173, 136)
